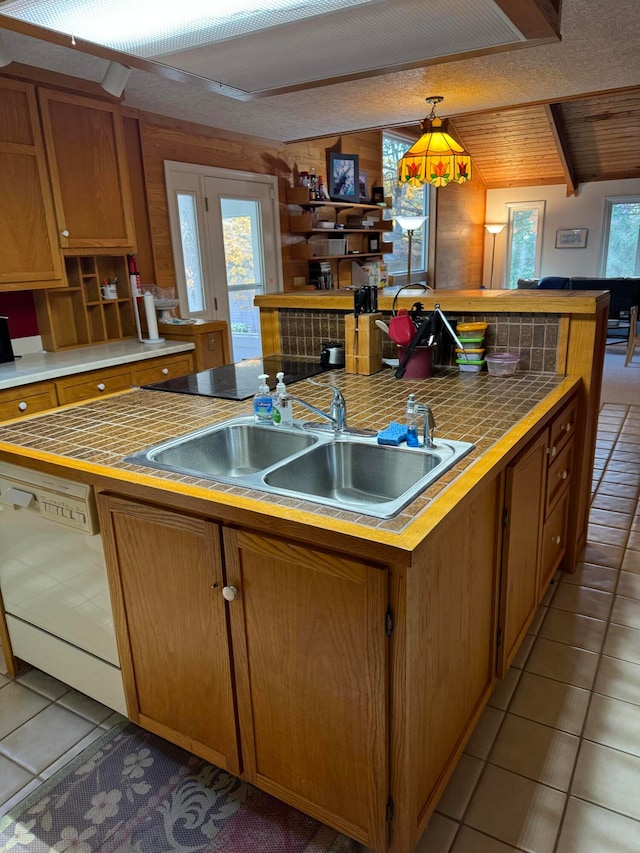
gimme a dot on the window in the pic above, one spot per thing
(621, 256)
(410, 201)
(524, 240)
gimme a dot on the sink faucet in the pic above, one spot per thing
(337, 414)
(428, 424)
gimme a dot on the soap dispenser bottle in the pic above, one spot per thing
(282, 414)
(263, 402)
(412, 422)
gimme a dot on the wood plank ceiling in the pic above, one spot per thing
(590, 138)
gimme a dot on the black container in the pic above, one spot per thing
(6, 350)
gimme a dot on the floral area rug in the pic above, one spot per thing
(132, 792)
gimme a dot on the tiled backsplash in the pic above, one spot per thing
(533, 336)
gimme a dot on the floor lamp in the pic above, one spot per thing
(493, 230)
(410, 224)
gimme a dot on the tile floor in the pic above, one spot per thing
(554, 763)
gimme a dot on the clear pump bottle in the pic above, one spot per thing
(263, 402)
(282, 408)
(412, 422)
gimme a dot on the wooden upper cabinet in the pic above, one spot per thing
(85, 147)
(29, 252)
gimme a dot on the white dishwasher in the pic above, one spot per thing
(54, 584)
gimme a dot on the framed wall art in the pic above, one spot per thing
(571, 238)
(344, 184)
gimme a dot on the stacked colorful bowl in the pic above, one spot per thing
(471, 356)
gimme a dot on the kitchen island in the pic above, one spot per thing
(336, 660)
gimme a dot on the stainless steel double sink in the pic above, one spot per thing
(340, 470)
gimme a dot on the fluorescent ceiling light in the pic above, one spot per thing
(156, 27)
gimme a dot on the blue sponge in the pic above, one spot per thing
(393, 434)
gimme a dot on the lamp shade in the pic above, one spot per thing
(410, 223)
(495, 229)
(436, 158)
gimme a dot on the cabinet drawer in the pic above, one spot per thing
(27, 400)
(562, 426)
(554, 542)
(559, 475)
(86, 386)
(162, 369)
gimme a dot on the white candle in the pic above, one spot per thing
(150, 312)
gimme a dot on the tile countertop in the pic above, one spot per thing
(95, 437)
(39, 366)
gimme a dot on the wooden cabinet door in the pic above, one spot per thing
(523, 514)
(29, 252)
(310, 658)
(165, 575)
(86, 152)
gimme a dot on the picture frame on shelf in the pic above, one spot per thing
(363, 184)
(343, 177)
(571, 238)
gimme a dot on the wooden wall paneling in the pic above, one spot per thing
(460, 216)
(144, 245)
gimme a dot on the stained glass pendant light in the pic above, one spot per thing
(436, 158)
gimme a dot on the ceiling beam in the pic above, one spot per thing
(554, 117)
(536, 19)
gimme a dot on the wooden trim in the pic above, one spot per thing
(270, 330)
(536, 19)
(564, 302)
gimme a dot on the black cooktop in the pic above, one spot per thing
(240, 381)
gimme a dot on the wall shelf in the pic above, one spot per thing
(78, 315)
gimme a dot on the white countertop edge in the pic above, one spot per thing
(40, 366)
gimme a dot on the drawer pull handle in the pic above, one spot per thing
(64, 232)
(556, 540)
(563, 475)
(101, 386)
(229, 592)
(552, 451)
(22, 406)
(165, 370)
(566, 427)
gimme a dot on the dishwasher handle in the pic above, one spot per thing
(19, 498)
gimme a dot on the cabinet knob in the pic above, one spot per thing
(552, 451)
(563, 475)
(65, 233)
(229, 592)
(101, 386)
(165, 370)
(556, 540)
(22, 406)
(566, 427)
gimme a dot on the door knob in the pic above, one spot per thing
(229, 592)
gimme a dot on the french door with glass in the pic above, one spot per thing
(226, 244)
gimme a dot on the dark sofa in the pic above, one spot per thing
(625, 292)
